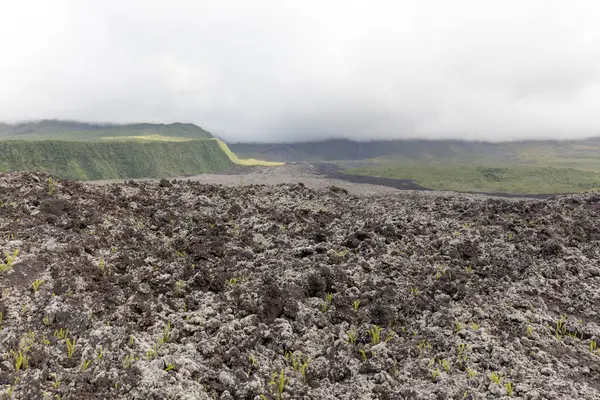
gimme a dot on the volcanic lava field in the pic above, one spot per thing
(185, 290)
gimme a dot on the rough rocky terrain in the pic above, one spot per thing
(185, 290)
(315, 176)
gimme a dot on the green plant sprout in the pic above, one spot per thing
(394, 368)
(295, 360)
(70, 347)
(364, 354)
(458, 327)
(166, 334)
(85, 365)
(328, 300)
(36, 284)
(445, 364)
(356, 304)
(279, 385)
(9, 261)
(303, 368)
(462, 356)
(102, 267)
(169, 367)
(561, 329)
(127, 361)
(351, 337)
(509, 388)
(423, 346)
(391, 335)
(496, 378)
(27, 341)
(51, 186)
(61, 334)
(56, 383)
(179, 286)
(20, 359)
(151, 353)
(375, 333)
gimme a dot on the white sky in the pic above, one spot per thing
(297, 70)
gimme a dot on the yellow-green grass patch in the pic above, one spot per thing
(248, 161)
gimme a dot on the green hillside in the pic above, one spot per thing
(82, 131)
(514, 179)
(86, 151)
(113, 159)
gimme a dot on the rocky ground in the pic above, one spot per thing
(185, 290)
(311, 175)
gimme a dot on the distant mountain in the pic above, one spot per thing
(422, 150)
(75, 130)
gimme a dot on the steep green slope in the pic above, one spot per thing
(113, 159)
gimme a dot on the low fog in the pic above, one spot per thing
(299, 70)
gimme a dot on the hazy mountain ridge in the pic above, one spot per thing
(77, 130)
(420, 149)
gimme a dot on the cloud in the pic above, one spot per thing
(290, 70)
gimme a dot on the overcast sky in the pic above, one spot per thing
(295, 70)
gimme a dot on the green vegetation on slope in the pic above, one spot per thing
(515, 179)
(246, 161)
(113, 159)
(81, 131)
(80, 150)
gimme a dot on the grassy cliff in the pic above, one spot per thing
(113, 159)
(88, 151)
